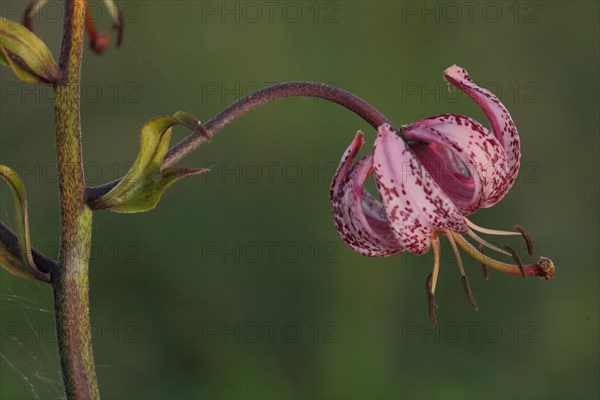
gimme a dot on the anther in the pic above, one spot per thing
(119, 26)
(463, 275)
(486, 270)
(517, 259)
(526, 236)
(484, 242)
(465, 281)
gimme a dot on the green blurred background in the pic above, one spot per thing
(238, 285)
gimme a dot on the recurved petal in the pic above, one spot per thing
(500, 120)
(464, 158)
(360, 218)
(346, 161)
(414, 203)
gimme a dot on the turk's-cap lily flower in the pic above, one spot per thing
(99, 40)
(430, 176)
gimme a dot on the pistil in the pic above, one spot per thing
(485, 243)
(544, 268)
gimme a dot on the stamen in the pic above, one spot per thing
(486, 272)
(118, 19)
(463, 275)
(119, 27)
(432, 305)
(34, 8)
(113, 10)
(544, 268)
(456, 254)
(526, 236)
(489, 231)
(465, 281)
(517, 259)
(484, 242)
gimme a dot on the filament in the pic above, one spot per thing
(33, 9)
(489, 231)
(456, 253)
(490, 262)
(485, 243)
(113, 10)
(436, 261)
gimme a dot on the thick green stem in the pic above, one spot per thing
(70, 282)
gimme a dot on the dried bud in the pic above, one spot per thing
(100, 43)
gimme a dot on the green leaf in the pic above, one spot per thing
(13, 264)
(142, 187)
(24, 266)
(26, 54)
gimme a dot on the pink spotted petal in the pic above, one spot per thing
(500, 120)
(346, 161)
(360, 218)
(463, 157)
(414, 203)
(443, 167)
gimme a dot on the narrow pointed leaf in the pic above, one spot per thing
(146, 197)
(26, 54)
(142, 187)
(190, 122)
(13, 264)
(25, 266)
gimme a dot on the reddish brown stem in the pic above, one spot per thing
(70, 280)
(254, 100)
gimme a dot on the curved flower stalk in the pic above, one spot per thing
(430, 178)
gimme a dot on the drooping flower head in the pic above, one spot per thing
(99, 40)
(430, 176)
